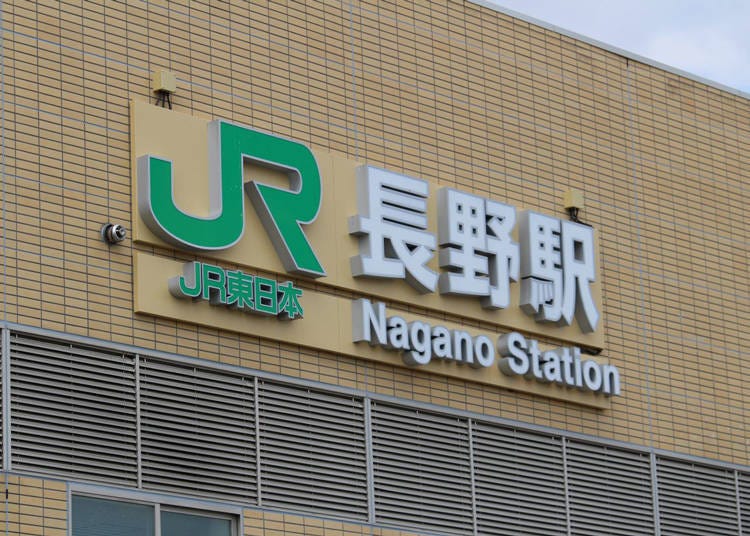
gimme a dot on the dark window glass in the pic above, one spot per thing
(103, 517)
(182, 524)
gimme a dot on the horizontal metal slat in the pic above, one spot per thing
(73, 411)
(609, 491)
(421, 469)
(291, 485)
(320, 467)
(695, 499)
(312, 504)
(325, 428)
(198, 431)
(519, 482)
(312, 450)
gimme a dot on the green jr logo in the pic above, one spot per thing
(282, 212)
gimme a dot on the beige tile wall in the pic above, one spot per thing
(441, 89)
(34, 507)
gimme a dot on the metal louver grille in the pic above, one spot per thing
(609, 491)
(197, 431)
(73, 415)
(421, 466)
(73, 411)
(696, 500)
(519, 481)
(312, 451)
(744, 485)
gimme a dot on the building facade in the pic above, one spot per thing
(387, 268)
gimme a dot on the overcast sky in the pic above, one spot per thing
(708, 38)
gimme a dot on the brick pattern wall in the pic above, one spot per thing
(34, 507)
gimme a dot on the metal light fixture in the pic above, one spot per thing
(573, 202)
(163, 83)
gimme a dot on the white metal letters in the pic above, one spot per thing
(553, 259)
(391, 224)
(476, 248)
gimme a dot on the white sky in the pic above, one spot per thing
(708, 38)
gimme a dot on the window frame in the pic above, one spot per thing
(159, 502)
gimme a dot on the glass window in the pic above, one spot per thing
(93, 516)
(103, 517)
(183, 524)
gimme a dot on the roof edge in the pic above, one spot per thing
(611, 48)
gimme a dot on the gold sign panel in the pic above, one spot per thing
(327, 322)
(183, 139)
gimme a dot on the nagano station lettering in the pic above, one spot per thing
(420, 342)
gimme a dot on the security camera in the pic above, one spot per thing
(114, 233)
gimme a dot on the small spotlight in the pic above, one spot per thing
(163, 83)
(114, 233)
(573, 201)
